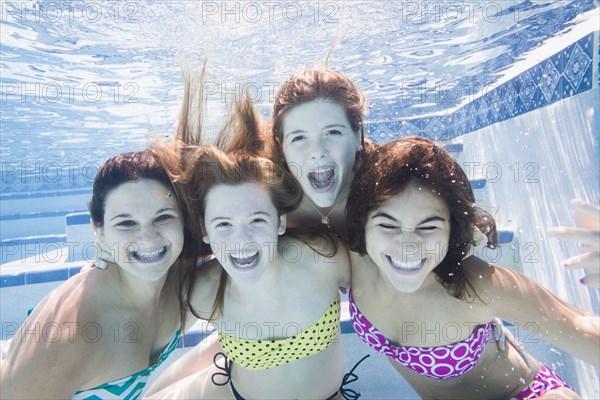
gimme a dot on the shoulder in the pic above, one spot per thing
(489, 279)
(326, 255)
(507, 293)
(207, 278)
(80, 299)
(52, 342)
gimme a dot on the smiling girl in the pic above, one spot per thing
(110, 328)
(272, 297)
(435, 314)
(272, 294)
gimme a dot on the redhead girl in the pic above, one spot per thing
(318, 135)
(271, 294)
(411, 217)
(111, 327)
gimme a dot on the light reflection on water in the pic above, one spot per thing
(82, 79)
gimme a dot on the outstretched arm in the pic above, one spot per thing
(518, 299)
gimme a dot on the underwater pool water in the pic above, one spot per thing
(515, 83)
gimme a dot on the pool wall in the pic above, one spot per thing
(554, 162)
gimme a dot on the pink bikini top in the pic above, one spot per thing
(442, 362)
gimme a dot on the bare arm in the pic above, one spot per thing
(44, 358)
(518, 299)
(200, 356)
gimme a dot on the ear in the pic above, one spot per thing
(205, 239)
(282, 224)
(358, 141)
(98, 232)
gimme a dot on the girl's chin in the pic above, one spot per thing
(322, 200)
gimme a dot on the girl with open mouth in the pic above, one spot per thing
(271, 293)
(318, 135)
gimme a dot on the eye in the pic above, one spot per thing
(386, 226)
(126, 224)
(258, 221)
(165, 218)
(223, 225)
(334, 132)
(297, 138)
(429, 228)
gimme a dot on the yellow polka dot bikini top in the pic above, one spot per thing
(264, 354)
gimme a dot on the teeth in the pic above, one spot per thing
(150, 256)
(405, 265)
(245, 261)
(323, 168)
(321, 177)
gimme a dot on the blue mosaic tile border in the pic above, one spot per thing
(564, 74)
(33, 277)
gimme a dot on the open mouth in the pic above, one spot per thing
(322, 179)
(149, 256)
(246, 261)
(406, 267)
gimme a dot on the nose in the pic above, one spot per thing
(149, 234)
(239, 240)
(318, 150)
(245, 236)
(408, 241)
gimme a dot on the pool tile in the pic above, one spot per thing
(46, 276)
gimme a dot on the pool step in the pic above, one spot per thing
(453, 148)
(39, 213)
(21, 249)
(41, 201)
(33, 224)
(37, 233)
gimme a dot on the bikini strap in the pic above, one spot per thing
(226, 370)
(349, 394)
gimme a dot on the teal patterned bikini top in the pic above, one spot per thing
(129, 387)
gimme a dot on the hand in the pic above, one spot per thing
(502, 335)
(587, 219)
(103, 255)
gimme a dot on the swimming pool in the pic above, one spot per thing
(513, 87)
